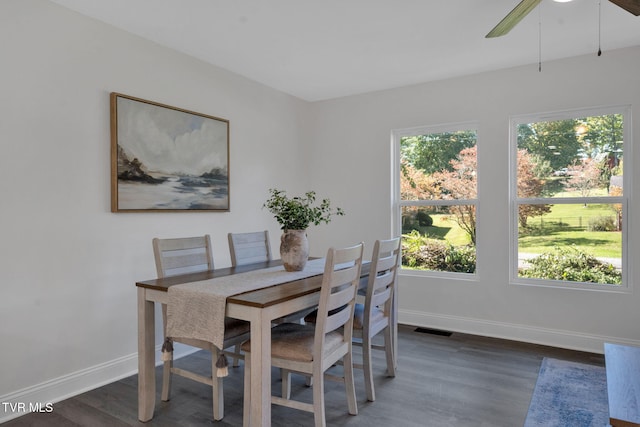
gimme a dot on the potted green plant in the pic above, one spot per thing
(295, 214)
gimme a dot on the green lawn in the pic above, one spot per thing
(563, 226)
(446, 228)
(598, 244)
(572, 215)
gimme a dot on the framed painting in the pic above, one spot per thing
(166, 159)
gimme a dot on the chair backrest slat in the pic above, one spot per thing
(345, 275)
(248, 248)
(384, 279)
(380, 298)
(386, 263)
(340, 298)
(336, 320)
(182, 255)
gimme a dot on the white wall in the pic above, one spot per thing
(67, 264)
(358, 128)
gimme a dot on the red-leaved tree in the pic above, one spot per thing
(460, 184)
(529, 186)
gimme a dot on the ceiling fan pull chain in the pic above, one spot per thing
(599, 28)
(539, 39)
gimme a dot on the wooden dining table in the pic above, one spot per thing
(259, 307)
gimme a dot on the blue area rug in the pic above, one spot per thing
(569, 394)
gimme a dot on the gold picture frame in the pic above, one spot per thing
(167, 159)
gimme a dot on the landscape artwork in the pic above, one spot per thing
(167, 159)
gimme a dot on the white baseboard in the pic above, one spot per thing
(42, 397)
(509, 331)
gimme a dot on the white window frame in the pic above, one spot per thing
(397, 204)
(624, 200)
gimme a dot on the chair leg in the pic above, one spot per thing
(286, 383)
(236, 358)
(168, 364)
(318, 398)
(349, 384)
(367, 368)
(246, 409)
(218, 390)
(166, 380)
(390, 352)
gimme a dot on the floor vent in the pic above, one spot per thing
(434, 332)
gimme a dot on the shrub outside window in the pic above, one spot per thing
(436, 193)
(569, 198)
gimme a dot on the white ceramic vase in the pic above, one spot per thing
(294, 249)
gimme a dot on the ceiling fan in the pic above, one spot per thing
(525, 6)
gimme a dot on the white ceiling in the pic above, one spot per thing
(322, 49)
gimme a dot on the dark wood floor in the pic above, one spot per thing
(459, 380)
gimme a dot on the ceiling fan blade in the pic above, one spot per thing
(520, 11)
(631, 6)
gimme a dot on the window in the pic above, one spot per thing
(436, 196)
(569, 198)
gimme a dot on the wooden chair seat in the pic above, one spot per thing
(294, 341)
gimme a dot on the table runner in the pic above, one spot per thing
(197, 309)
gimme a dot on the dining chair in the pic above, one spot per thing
(189, 255)
(312, 349)
(248, 248)
(377, 312)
